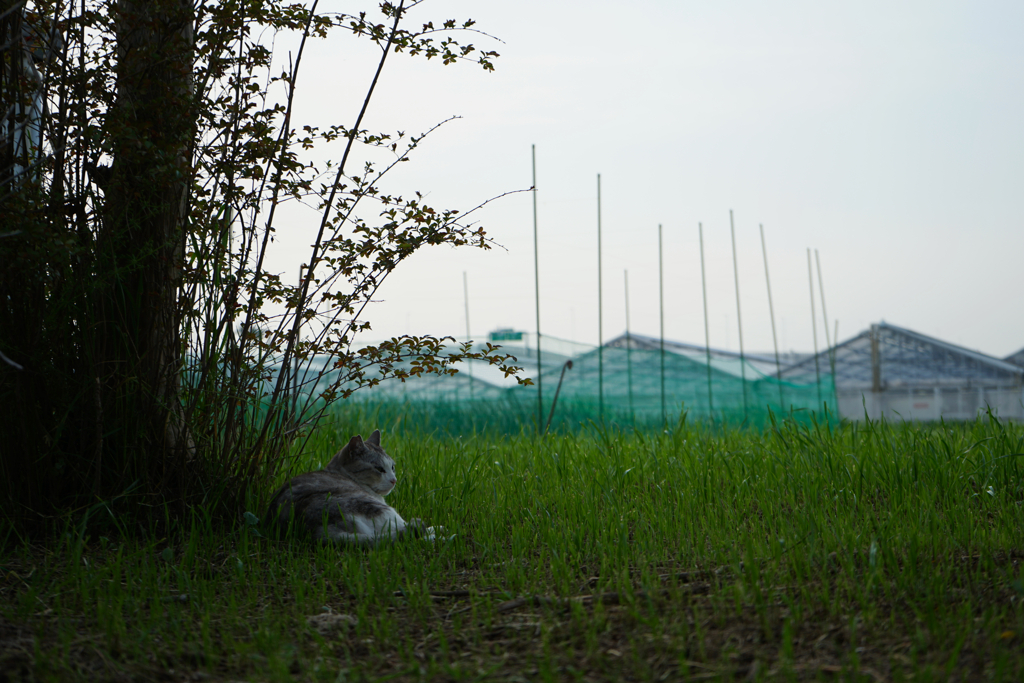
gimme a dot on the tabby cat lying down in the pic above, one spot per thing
(344, 502)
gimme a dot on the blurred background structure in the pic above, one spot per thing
(901, 374)
(883, 372)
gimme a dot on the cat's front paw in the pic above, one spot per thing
(438, 534)
(415, 528)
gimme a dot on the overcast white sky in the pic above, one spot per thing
(887, 135)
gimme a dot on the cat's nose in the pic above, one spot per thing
(392, 481)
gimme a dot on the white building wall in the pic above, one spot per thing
(958, 403)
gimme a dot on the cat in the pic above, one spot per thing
(344, 502)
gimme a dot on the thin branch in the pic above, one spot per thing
(300, 304)
(10, 362)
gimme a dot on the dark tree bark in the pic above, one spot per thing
(33, 371)
(141, 244)
(99, 298)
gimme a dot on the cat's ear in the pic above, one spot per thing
(374, 439)
(351, 448)
(346, 453)
(354, 443)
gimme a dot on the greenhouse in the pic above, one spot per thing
(896, 373)
(632, 379)
(886, 371)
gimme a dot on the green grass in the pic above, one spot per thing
(851, 552)
(511, 414)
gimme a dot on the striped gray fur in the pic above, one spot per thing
(344, 502)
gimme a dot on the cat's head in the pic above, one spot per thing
(367, 463)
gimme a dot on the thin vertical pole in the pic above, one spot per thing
(771, 312)
(739, 318)
(707, 331)
(814, 326)
(835, 336)
(295, 363)
(831, 349)
(465, 292)
(661, 307)
(629, 348)
(821, 290)
(600, 309)
(536, 284)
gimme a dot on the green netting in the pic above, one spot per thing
(640, 387)
(636, 383)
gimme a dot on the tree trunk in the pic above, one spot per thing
(141, 249)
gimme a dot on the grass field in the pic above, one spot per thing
(853, 552)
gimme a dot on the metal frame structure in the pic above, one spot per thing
(887, 357)
(889, 371)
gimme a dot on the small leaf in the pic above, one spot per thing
(251, 519)
(167, 555)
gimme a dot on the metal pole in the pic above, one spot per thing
(771, 312)
(835, 388)
(707, 332)
(821, 289)
(536, 284)
(831, 349)
(814, 326)
(295, 365)
(469, 365)
(876, 361)
(554, 401)
(629, 349)
(600, 308)
(661, 305)
(739, 318)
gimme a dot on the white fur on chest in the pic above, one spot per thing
(387, 525)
